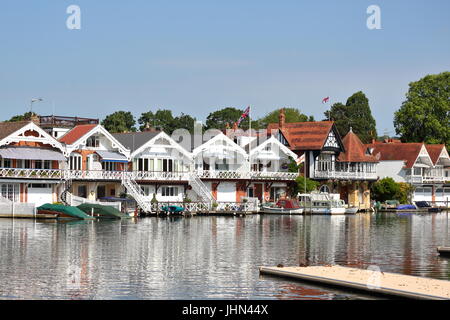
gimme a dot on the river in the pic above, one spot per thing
(210, 257)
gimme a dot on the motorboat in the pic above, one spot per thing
(283, 206)
(351, 210)
(322, 203)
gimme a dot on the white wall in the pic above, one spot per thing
(393, 169)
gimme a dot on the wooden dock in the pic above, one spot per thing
(28, 216)
(390, 284)
(445, 251)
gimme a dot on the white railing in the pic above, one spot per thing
(136, 192)
(199, 187)
(141, 175)
(158, 175)
(345, 175)
(203, 207)
(257, 175)
(31, 173)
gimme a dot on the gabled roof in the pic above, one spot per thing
(135, 140)
(223, 137)
(407, 152)
(435, 151)
(76, 133)
(7, 128)
(355, 151)
(304, 135)
(273, 140)
(15, 132)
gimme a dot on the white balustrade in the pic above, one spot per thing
(345, 175)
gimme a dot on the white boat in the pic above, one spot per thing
(283, 206)
(322, 203)
(351, 210)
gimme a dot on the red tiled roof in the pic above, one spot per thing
(434, 150)
(76, 133)
(396, 151)
(355, 151)
(304, 135)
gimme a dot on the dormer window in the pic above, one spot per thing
(93, 142)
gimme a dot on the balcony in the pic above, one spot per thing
(426, 179)
(141, 175)
(253, 175)
(345, 175)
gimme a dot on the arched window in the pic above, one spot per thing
(324, 188)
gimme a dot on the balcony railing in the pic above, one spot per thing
(140, 175)
(254, 175)
(426, 179)
(348, 175)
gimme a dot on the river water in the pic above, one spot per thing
(210, 257)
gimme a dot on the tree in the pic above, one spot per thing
(220, 118)
(386, 189)
(162, 119)
(25, 116)
(292, 115)
(165, 121)
(303, 185)
(356, 114)
(425, 114)
(119, 121)
(184, 121)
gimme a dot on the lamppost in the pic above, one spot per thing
(34, 100)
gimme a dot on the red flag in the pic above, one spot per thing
(325, 100)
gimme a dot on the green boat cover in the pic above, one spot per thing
(70, 211)
(102, 211)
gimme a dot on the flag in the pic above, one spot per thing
(325, 100)
(300, 159)
(244, 115)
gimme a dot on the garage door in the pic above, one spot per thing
(226, 191)
(40, 194)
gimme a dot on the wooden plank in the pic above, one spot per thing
(444, 250)
(391, 284)
(28, 216)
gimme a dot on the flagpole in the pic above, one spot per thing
(249, 135)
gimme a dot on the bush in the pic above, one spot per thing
(388, 189)
(299, 186)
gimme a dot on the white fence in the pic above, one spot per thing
(9, 207)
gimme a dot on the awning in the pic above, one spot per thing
(108, 156)
(28, 153)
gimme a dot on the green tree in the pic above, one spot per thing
(119, 121)
(292, 115)
(303, 184)
(355, 113)
(184, 121)
(162, 119)
(425, 114)
(23, 117)
(220, 118)
(386, 189)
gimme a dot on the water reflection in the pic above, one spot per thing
(209, 257)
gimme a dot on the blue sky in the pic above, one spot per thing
(198, 56)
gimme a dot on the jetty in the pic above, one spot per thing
(28, 216)
(379, 283)
(445, 251)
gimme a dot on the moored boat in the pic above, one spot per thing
(63, 211)
(283, 206)
(322, 203)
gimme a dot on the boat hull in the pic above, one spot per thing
(271, 210)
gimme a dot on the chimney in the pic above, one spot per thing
(281, 119)
(35, 118)
(149, 128)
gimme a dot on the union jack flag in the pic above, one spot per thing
(244, 115)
